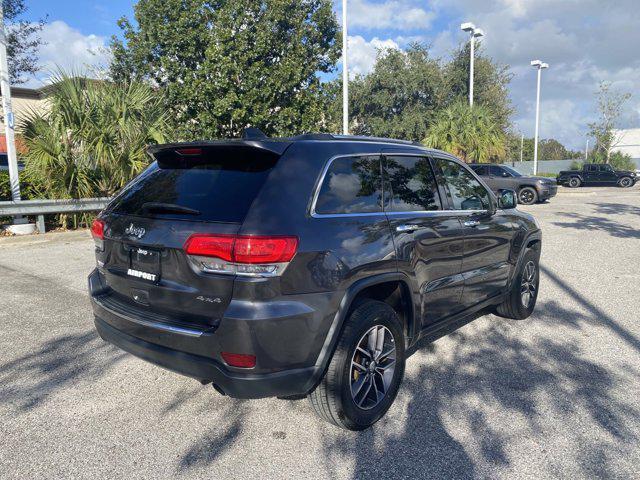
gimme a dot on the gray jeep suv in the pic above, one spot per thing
(530, 189)
(305, 266)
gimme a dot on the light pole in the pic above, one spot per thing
(540, 66)
(345, 72)
(474, 33)
(5, 90)
(586, 151)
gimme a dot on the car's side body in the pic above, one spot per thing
(453, 264)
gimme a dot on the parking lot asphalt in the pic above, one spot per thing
(553, 396)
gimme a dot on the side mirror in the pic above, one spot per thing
(507, 199)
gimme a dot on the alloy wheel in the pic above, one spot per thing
(625, 182)
(526, 197)
(528, 286)
(372, 367)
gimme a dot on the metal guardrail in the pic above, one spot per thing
(40, 208)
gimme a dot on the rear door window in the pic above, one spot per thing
(351, 185)
(215, 185)
(412, 184)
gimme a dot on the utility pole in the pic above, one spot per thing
(345, 72)
(5, 90)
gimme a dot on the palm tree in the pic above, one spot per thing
(91, 140)
(470, 133)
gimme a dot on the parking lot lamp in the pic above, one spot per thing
(540, 66)
(345, 72)
(5, 90)
(474, 33)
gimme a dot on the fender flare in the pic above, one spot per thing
(350, 294)
(535, 236)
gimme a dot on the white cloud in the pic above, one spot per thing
(363, 53)
(67, 48)
(584, 41)
(391, 14)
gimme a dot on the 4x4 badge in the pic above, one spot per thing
(135, 231)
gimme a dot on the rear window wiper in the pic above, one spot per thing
(157, 207)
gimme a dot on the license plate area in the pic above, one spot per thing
(144, 263)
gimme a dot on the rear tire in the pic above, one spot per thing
(527, 196)
(526, 280)
(334, 399)
(625, 182)
(574, 182)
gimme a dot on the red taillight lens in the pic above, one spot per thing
(243, 248)
(218, 246)
(241, 360)
(260, 249)
(97, 229)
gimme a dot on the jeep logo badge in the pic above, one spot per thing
(135, 231)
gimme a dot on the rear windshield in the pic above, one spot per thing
(215, 185)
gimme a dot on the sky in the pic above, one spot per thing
(584, 41)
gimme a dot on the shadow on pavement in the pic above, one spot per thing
(615, 208)
(26, 381)
(590, 223)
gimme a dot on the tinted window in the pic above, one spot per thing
(412, 184)
(480, 170)
(219, 185)
(593, 168)
(606, 168)
(351, 185)
(466, 191)
(499, 172)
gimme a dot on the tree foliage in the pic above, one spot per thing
(226, 65)
(490, 84)
(92, 141)
(400, 97)
(470, 133)
(405, 92)
(23, 41)
(609, 104)
(548, 149)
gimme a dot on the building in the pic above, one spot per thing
(627, 141)
(23, 101)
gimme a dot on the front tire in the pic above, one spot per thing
(366, 370)
(574, 182)
(527, 196)
(625, 182)
(521, 300)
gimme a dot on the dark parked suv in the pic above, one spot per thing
(305, 266)
(530, 189)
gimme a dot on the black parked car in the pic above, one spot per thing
(305, 266)
(594, 174)
(530, 189)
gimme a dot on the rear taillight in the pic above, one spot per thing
(97, 232)
(241, 360)
(256, 255)
(97, 229)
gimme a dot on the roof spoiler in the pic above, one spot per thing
(276, 147)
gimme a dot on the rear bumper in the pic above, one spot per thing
(289, 382)
(287, 344)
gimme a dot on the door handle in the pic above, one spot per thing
(407, 228)
(471, 223)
